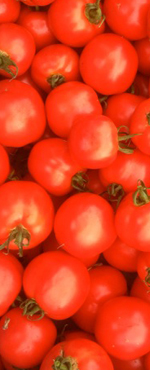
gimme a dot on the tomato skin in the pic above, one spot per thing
(4, 164)
(52, 60)
(72, 99)
(21, 105)
(121, 256)
(142, 48)
(139, 124)
(94, 183)
(25, 342)
(9, 11)
(137, 364)
(140, 85)
(60, 286)
(86, 352)
(113, 62)
(76, 334)
(126, 169)
(26, 79)
(11, 367)
(84, 230)
(147, 361)
(93, 141)
(37, 2)
(128, 19)
(106, 283)
(140, 290)
(25, 203)
(143, 263)
(128, 327)
(72, 27)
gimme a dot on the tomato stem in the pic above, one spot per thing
(94, 14)
(147, 278)
(64, 363)
(115, 193)
(30, 308)
(148, 118)
(79, 181)
(6, 62)
(18, 234)
(122, 136)
(140, 196)
(56, 80)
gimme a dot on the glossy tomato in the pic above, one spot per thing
(9, 11)
(137, 364)
(140, 123)
(121, 256)
(93, 182)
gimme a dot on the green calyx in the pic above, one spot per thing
(140, 196)
(6, 62)
(94, 14)
(18, 234)
(115, 193)
(79, 181)
(147, 278)
(56, 80)
(31, 308)
(64, 363)
(124, 140)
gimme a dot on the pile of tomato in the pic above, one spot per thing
(75, 184)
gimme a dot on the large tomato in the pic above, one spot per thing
(140, 123)
(9, 10)
(121, 256)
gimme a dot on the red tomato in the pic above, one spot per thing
(123, 327)
(17, 49)
(51, 165)
(142, 48)
(27, 79)
(137, 364)
(93, 141)
(26, 212)
(121, 256)
(68, 102)
(140, 123)
(1, 365)
(82, 353)
(37, 2)
(143, 267)
(9, 10)
(4, 165)
(11, 273)
(76, 334)
(60, 286)
(126, 169)
(140, 290)
(127, 18)
(140, 85)
(22, 115)
(54, 65)
(84, 229)
(76, 22)
(147, 361)
(93, 182)
(106, 283)
(11, 367)
(113, 62)
(24, 342)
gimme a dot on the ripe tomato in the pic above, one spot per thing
(27, 79)
(127, 321)
(60, 286)
(140, 290)
(113, 62)
(76, 334)
(81, 353)
(17, 49)
(137, 364)
(26, 214)
(127, 18)
(121, 256)
(11, 367)
(78, 21)
(54, 65)
(93, 182)
(84, 230)
(4, 165)
(141, 85)
(9, 11)
(22, 115)
(106, 283)
(142, 48)
(68, 102)
(37, 2)
(143, 267)
(140, 123)
(24, 342)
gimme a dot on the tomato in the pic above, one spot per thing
(60, 286)
(4, 164)
(84, 230)
(76, 22)
(140, 85)
(127, 321)
(54, 65)
(1, 365)
(147, 361)
(37, 2)
(9, 10)
(27, 79)
(68, 102)
(140, 290)
(26, 214)
(143, 267)
(120, 108)
(11, 367)
(22, 115)
(17, 49)
(82, 353)
(142, 48)
(76, 334)
(106, 283)
(137, 364)
(127, 18)
(109, 63)
(140, 123)
(11, 274)
(93, 182)
(24, 342)
(121, 256)
(126, 169)
(51, 165)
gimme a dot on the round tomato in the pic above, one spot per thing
(140, 290)
(142, 48)
(58, 282)
(127, 321)
(140, 123)
(76, 334)
(143, 267)
(9, 10)
(121, 256)
(109, 63)
(24, 342)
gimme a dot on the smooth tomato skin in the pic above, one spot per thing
(113, 62)
(142, 48)
(11, 276)
(9, 11)
(60, 286)
(127, 18)
(51, 165)
(123, 327)
(140, 85)
(86, 352)
(121, 256)
(139, 124)
(22, 115)
(4, 165)
(37, 2)
(140, 290)
(147, 361)
(73, 27)
(84, 230)
(52, 60)
(27, 79)
(106, 283)
(126, 169)
(120, 108)
(25, 342)
(143, 263)
(93, 141)
(137, 364)
(28, 204)
(76, 334)
(69, 102)
(19, 44)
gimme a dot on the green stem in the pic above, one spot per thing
(79, 181)
(56, 80)
(94, 14)
(30, 308)
(140, 196)
(148, 118)
(18, 234)
(6, 62)
(122, 136)
(64, 363)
